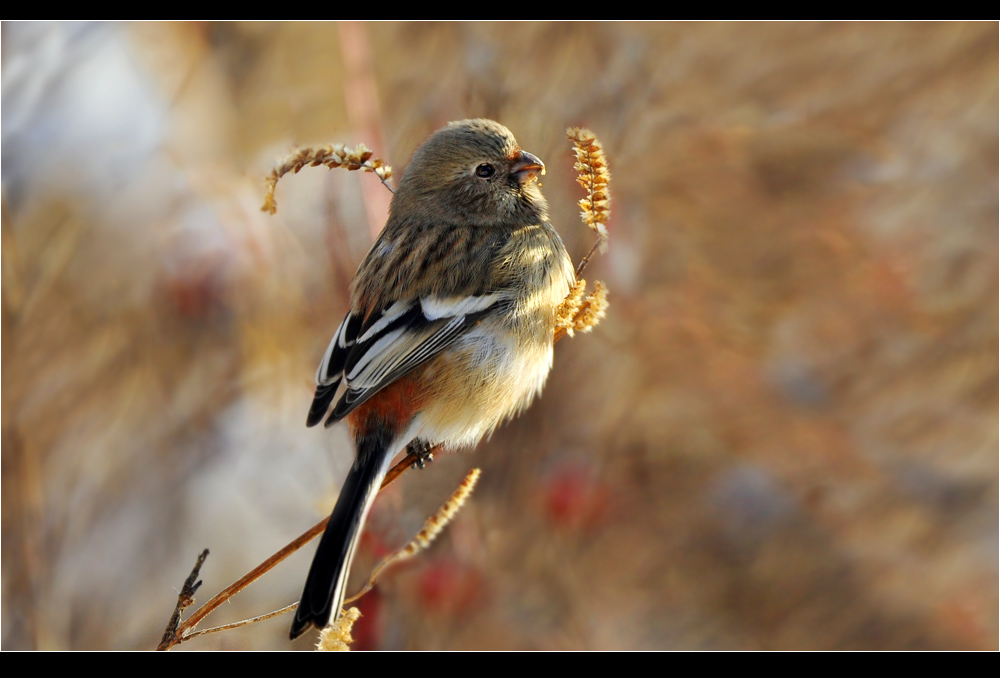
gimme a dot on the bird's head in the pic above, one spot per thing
(473, 171)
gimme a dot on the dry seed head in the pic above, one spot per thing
(337, 636)
(567, 311)
(580, 312)
(594, 177)
(592, 309)
(432, 528)
(437, 522)
(382, 171)
(333, 155)
(581, 135)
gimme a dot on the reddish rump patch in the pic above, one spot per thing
(391, 408)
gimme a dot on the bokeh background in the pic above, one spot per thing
(784, 435)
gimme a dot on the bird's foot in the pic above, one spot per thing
(421, 451)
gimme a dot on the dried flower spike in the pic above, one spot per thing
(581, 312)
(591, 310)
(337, 636)
(570, 306)
(437, 522)
(594, 177)
(333, 155)
(432, 528)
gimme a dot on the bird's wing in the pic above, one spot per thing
(368, 354)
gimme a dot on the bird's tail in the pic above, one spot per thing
(324, 592)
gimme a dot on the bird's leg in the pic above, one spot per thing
(421, 451)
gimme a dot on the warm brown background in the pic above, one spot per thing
(783, 436)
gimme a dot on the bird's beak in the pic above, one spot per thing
(527, 166)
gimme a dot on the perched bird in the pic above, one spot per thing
(450, 330)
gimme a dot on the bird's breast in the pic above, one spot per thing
(497, 368)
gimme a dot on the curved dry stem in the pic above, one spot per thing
(431, 529)
(333, 155)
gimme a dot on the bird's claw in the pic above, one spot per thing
(422, 454)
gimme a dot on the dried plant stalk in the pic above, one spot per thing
(242, 622)
(178, 632)
(579, 311)
(432, 528)
(331, 156)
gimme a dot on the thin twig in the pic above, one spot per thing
(586, 259)
(236, 625)
(404, 465)
(172, 634)
(177, 633)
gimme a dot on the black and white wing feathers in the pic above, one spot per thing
(369, 354)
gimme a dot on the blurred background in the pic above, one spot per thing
(784, 435)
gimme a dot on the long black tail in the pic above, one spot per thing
(324, 592)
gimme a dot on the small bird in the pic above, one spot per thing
(450, 330)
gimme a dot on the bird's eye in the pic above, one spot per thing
(485, 171)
